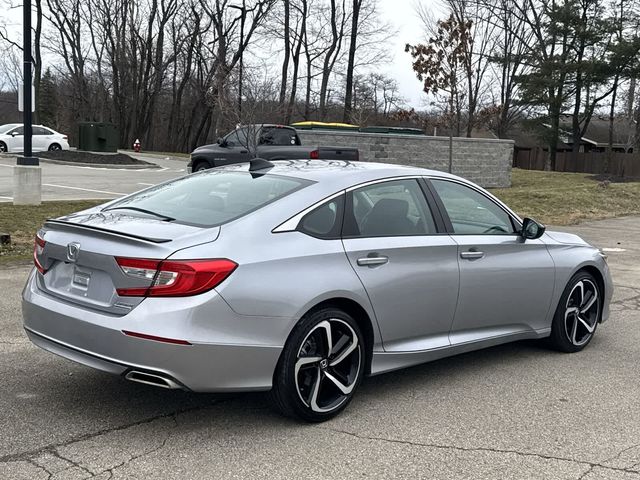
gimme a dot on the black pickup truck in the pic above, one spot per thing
(271, 142)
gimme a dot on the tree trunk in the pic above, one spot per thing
(612, 110)
(285, 62)
(346, 117)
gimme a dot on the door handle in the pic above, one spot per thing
(372, 261)
(471, 255)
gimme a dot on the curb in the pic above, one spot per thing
(100, 165)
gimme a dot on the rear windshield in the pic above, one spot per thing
(212, 197)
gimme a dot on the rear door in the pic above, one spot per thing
(40, 139)
(408, 267)
(506, 283)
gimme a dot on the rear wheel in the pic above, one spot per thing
(321, 366)
(578, 314)
(54, 147)
(3, 147)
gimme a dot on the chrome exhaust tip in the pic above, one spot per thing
(152, 379)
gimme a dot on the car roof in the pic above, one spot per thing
(342, 174)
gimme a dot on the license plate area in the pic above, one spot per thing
(81, 278)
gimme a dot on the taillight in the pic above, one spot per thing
(174, 278)
(64, 137)
(38, 248)
(314, 155)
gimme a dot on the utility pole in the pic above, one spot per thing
(27, 176)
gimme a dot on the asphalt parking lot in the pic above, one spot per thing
(514, 411)
(70, 182)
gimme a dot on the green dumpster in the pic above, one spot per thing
(97, 137)
(397, 130)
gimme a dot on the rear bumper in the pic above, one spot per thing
(214, 362)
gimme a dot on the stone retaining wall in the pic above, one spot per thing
(486, 162)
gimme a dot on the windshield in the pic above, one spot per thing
(7, 127)
(211, 198)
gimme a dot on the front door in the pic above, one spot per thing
(506, 283)
(408, 268)
(237, 146)
(15, 142)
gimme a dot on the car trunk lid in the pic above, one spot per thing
(79, 255)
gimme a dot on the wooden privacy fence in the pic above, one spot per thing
(621, 164)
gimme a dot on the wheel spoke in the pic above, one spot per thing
(305, 361)
(345, 389)
(574, 330)
(346, 352)
(315, 391)
(589, 302)
(327, 328)
(579, 285)
(590, 328)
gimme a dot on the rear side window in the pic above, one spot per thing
(325, 221)
(278, 136)
(212, 197)
(387, 209)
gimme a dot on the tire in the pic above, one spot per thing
(311, 383)
(578, 314)
(54, 147)
(3, 147)
(201, 166)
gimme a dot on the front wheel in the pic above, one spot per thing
(578, 314)
(201, 166)
(321, 366)
(54, 147)
(3, 147)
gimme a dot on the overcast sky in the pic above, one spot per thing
(402, 16)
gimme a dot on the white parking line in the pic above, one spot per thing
(83, 189)
(147, 184)
(7, 198)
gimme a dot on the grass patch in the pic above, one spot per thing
(551, 197)
(558, 198)
(22, 223)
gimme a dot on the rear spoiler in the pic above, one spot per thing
(104, 230)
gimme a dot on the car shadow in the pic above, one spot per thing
(92, 394)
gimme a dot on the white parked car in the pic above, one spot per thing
(44, 138)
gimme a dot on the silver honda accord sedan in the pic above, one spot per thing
(302, 277)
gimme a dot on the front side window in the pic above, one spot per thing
(17, 131)
(237, 138)
(393, 208)
(211, 198)
(470, 212)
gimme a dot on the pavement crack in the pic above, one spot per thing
(54, 451)
(543, 456)
(27, 455)
(41, 467)
(133, 458)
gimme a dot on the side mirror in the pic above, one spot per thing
(222, 142)
(531, 229)
(13, 134)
